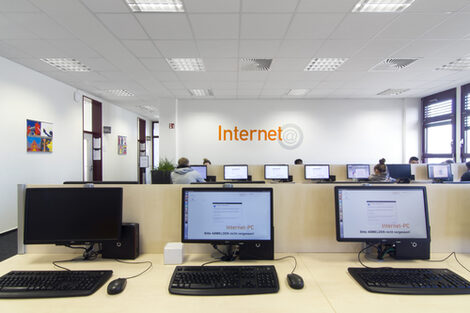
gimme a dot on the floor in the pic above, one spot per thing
(8, 244)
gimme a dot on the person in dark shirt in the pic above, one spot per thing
(466, 175)
(298, 162)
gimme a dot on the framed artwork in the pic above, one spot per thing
(122, 145)
(38, 136)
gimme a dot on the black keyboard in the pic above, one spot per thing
(413, 281)
(51, 284)
(224, 280)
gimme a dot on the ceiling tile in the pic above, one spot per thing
(264, 26)
(35, 64)
(74, 48)
(218, 48)
(107, 6)
(454, 48)
(263, 6)
(165, 76)
(10, 52)
(209, 6)
(296, 76)
(381, 48)
(224, 85)
(437, 6)
(253, 77)
(17, 6)
(359, 64)
(326, 6)
(258, 48)
(421, 49)
(39, 24)
(277, 92)
(36, 48)
(10, 30)
(455, 27)
(411, 26)
(57, 7)
(166, 26)
(215, 26)
(98, 64)
(289, 65)
(362, 25)
(299, 48)
(142, 48)
(339, 48)
(207, 76)
(221, 64)
(156, 64)
(313, 26)
(177, 48)
(123, 26)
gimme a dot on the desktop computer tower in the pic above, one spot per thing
(125, 248)
(412, 249)
(262, 250)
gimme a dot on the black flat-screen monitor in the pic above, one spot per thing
(236, 172)
(399, 171)
(201, 169)
(317, 171)
(381, 214)
(276, 171)
(440, 172)
(227, 215)
(358, 171)
(66, 216)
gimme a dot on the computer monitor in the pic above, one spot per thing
(317, 171)
(236, 172)
(201, 169)
(440, 172)
(383, 215)
(276, 171)
(399, 171)
(229, 216)
(67, 216)
(358, 171)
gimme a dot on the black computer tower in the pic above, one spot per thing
(125, 248)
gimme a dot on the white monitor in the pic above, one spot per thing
(358, 171)
(439, 171)
(235, 172)
(317, 171)
(201, 169)
(276, 171)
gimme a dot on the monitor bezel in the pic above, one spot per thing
(202, 165)
(77, 241)
(235, 179)
(305, 171)
(356, 164)
(234, 189)
(284, 165)
(408, 166)
(449, 171)
(380, 240)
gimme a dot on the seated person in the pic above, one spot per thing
(413, 160)
(466, 175)
(206, 162)
(381, 173)
(298, 162)
(183, 174)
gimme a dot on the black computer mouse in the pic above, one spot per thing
(295, 281)
(117, 286)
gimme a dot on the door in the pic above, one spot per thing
(87, 157)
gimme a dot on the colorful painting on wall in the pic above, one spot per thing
(122, 144)
(38, 136)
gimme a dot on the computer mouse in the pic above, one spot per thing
(295, 281)
(117, 286)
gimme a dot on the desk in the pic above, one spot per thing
(328, 288)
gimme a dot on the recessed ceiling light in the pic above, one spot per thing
(67, 64)
(382, 6)
(186, 64)
(325, 64)
(392, 92)
(298, 92)
(201, 92)
(155, 5)
(120, 92)
(248, 64)
(460, 64)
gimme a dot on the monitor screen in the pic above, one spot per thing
(235, 172)
(358, 171)
(72, 215)
(276, 171)
(439, 171)
(317, 171)
(201, 169)
(379, 214)
(227, 215)
(399, 171)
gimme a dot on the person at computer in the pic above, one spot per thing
(466, 175)
(413, 160)
(381, 173)
(184, 174)
(298, 162)
(206, 162)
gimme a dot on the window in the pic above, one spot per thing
(439, 126)
(465, 125)
(155, 143)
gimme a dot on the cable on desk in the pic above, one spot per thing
(455, 256)
(150, 264)
(289, 257)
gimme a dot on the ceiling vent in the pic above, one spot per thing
(392, 92)
(392, 65)
(461, 64)
(255, 64)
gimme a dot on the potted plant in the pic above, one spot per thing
(161, 174)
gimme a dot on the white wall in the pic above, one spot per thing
(334, 131)
(167, 112)
(25, 94)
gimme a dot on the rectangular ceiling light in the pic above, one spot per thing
(298, 92)
(382, 6)
(392, 92)
(191, 65)
(155, 5)
(201, 92)
(67, 64)
(120, 92)
(460, 64)
(325, 64)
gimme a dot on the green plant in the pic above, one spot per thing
(165, 165)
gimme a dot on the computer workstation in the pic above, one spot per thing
(277, 173)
